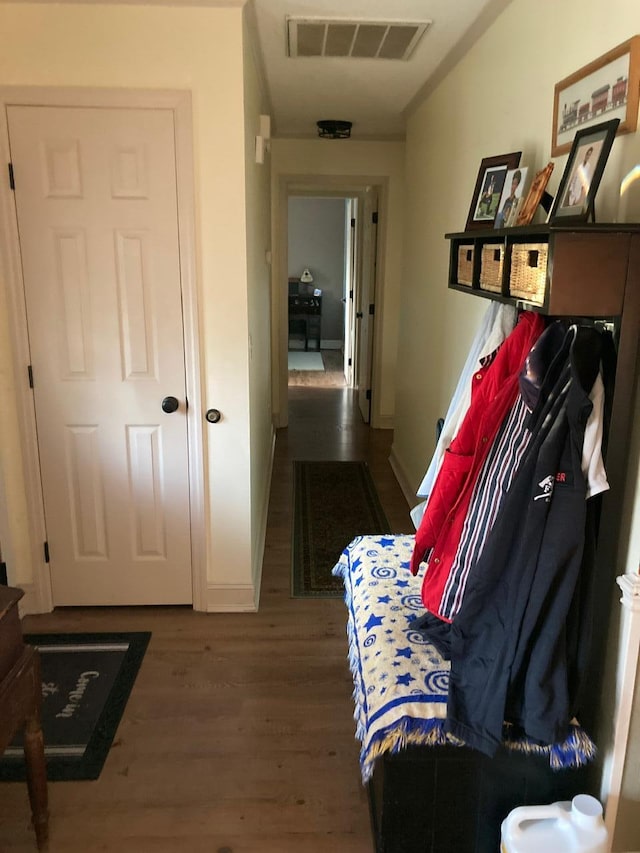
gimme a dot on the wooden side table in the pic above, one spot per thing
(305, 316)
(20, 706)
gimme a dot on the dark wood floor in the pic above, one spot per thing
(239, 735)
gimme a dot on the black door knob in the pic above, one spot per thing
(170, 404)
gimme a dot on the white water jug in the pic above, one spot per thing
(575, 827)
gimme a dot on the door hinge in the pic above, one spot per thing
(353, 223)
(30, 373)
(372, 308)
(351, 294)
(368, 394)
(12, 182)
(46, 552)
(3, 574)
(349, 362)
(374, 217)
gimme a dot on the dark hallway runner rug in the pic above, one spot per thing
(86, 682)
(332, 503)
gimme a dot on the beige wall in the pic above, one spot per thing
(337, 164)
(14, 526)
(197, 49)
(499, 98)
(258, 204)
(476, 112)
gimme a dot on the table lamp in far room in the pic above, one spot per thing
(307, 280)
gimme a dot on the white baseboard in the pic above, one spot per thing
(403, 480)
(383, 421)
(228, 598)
(296, 345)
(30, 602)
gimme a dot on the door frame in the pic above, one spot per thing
(351, 249)
(367, 297)
(331, 186)
(38, 593)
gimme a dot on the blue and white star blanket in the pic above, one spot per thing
(400, 679)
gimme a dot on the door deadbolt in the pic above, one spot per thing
(213, 416)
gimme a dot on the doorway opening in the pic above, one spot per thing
(92, 479)
(320, 275)
(329, 250)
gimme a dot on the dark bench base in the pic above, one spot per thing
(453, 800)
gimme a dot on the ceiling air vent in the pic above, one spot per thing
(355, 39)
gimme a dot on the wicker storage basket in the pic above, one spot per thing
(491, 263)
(528, 271)
(465, 264)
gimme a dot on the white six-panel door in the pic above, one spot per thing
(97, 218)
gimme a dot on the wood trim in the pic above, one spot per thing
(584, 257)
(627, 671)
(69, 96)
(179, 102)
(187, 237)
(213, 3)
(403, 479)
(39, 597)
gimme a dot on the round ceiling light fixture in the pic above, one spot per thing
(334, 129)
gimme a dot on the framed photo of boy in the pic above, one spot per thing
(511, 197)
(488, 189)
(608, 87)
(580, 180)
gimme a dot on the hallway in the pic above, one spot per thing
(239, 734)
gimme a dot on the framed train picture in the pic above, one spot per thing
(607, 88)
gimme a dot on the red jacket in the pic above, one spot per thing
(443, 520)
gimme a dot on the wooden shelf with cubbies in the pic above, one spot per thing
(562, 270)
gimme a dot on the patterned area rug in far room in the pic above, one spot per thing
(333, 503)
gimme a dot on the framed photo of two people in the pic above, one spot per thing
(490, 185)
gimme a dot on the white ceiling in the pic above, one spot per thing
(374, 94)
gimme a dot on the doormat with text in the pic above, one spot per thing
(86, 682)
(333, 503)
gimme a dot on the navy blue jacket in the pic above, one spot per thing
(511, 641)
